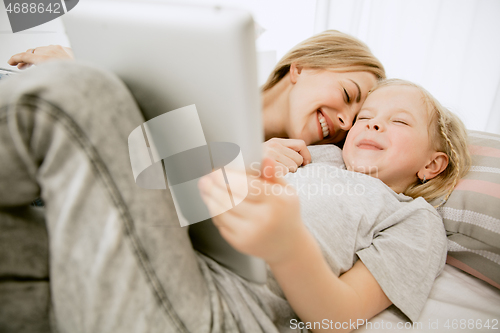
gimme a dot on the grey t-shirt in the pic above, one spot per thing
(353, 216)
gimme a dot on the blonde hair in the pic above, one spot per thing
(448, 134)
(330, 49)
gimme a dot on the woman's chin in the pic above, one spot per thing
(330, 140)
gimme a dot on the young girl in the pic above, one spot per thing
(364, 236)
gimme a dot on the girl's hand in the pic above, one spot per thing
(267, 223)
(288, 154)
(40, 54)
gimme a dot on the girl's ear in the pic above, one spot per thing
(294, 72)
(438, 164)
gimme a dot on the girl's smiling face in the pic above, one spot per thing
(390, 139)
(324, 103)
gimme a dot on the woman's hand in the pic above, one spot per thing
(40, 54)
(266, 223)
(288, 154)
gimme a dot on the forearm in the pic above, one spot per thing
(312, 289)
(269, 226)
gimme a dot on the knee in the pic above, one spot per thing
(72, 81)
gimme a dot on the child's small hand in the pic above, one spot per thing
(267, 223)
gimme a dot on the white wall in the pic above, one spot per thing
(285, 23)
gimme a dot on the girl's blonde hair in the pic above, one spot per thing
(447, 134)
(330, 49)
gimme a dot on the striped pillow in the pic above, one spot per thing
(472, 213)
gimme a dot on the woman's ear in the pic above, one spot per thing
(295, 72)
(438, 164)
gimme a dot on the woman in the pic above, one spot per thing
(312, 96)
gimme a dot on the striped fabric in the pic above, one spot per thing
(472, 213)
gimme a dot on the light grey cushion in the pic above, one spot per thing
(472, 213)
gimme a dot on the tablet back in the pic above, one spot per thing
(171, 56)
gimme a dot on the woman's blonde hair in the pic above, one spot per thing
(447, 134)
(330, 49)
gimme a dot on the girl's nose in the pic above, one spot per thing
(373, 124)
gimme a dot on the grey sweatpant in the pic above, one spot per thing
(119, 260)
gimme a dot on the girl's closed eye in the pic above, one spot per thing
(399, 121)
(363, 116)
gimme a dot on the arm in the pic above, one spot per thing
(267, 224)
(315, 293)
(40, 54)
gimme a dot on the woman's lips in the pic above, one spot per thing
(318, 124)
(328, 122)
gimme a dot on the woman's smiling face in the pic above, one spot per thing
(324, 103)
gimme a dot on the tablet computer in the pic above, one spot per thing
(171, 56)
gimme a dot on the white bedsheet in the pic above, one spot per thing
(458, 302)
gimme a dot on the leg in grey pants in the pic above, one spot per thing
(119, 260)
